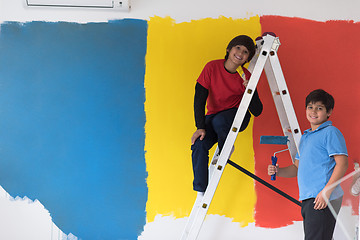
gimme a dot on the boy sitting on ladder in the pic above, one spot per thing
(221, 87)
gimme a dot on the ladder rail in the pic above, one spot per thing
(282, 100)
(196, 206)
(264, 59)
(218, 169)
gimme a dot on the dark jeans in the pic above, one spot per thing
(217, 128)
(319, 224)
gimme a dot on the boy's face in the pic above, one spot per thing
(238, 55)
(317, 114)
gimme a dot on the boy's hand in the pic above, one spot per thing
(246, 82)
(198, 133)
(320, 202)
(273, 169)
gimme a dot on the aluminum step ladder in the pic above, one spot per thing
(265, 59)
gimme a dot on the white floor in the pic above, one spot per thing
(220, 227)
(22, 218)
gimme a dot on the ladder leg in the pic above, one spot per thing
(283, 104)
(198, 201)
(269, 47)
(218, 169)
(193, 212)
(199, 198)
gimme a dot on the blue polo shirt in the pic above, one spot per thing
(316, 162)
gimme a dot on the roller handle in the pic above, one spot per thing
(273, 162)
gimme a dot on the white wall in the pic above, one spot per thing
(184, 10)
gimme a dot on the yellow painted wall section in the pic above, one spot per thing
(176, 54)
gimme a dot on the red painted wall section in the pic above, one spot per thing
(312, 55)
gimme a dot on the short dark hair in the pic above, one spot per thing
(320, 95)
(243, 40)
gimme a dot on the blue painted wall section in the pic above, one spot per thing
(72, 123)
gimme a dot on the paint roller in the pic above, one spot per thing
(278, 140)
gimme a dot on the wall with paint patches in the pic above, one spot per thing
(102, 127)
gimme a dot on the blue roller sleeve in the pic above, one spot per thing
(273, 161)
(280, 140)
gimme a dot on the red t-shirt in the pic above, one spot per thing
(225, 89)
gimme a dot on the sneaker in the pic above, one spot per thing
(216, 158)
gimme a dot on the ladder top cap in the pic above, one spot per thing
(269, 33)
(265, 34)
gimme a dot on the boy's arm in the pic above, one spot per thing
(287, 172)
(339, 171)
(201, 94)
(256, 106)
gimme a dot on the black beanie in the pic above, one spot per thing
(245, 41)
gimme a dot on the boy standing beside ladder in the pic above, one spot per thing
(322, 161)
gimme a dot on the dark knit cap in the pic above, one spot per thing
(242, 40)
